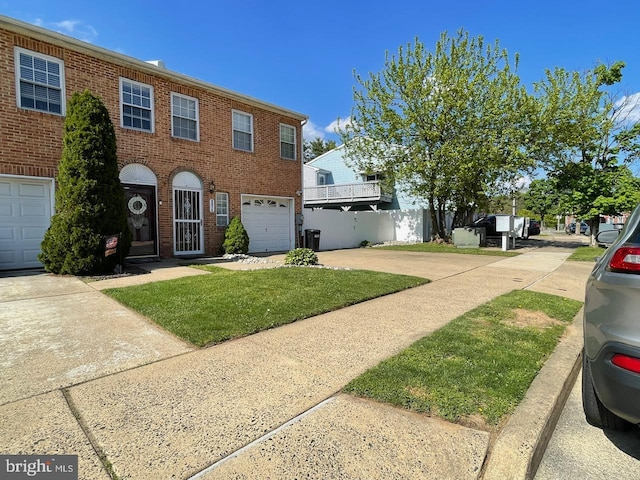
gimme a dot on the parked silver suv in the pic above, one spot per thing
(611, 356)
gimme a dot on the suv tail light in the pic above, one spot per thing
(628, 363)
(626, 260)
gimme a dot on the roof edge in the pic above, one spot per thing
(65, 41)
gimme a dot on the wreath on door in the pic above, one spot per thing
(137, 205)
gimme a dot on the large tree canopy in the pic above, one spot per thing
(450, 126)
(586, 140)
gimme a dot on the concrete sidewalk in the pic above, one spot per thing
(266, 406)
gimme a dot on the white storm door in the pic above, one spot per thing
(187, 222)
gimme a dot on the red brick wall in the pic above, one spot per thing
(31, 142)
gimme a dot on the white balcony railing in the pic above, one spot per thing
(346, 193)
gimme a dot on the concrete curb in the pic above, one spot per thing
(520, 446)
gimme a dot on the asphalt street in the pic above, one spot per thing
(578, 450)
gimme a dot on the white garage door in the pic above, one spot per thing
(269, 223)
(25, 215)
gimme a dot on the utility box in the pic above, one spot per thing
(504, 226)
(312, 239)
(504, 223)
(466, 237)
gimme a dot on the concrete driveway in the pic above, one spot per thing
(263, 406)
(57, 331)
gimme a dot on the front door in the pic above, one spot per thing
(187, 221)
(141, 202)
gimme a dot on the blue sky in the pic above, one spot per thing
(301, 55)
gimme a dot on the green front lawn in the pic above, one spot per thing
(480, 365)
(432, 247)
(586, 254)
(225, 304)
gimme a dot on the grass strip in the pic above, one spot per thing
(431, 247)
(479, 366)
(207, 309)
(586, 254)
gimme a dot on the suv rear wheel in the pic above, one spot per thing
(595, 412)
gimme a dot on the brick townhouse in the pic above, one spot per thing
(192, 155)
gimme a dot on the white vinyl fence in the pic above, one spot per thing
(340, 229)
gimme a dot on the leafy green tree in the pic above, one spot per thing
(449, 126)
(587, 139)
(543, 198)
(90, 201)
(317, 147)
(236, 239)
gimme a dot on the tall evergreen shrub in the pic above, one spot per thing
(236, 239)
(90, 201)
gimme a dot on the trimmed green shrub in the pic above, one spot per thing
(301, 256)
(90, 201)
(236, 239)
(365, 243)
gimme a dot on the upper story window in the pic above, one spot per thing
(136, 100)
(322, 178)
(243, 131)
(287, 142)
(39, 82)
(371, 177)
(184, 117)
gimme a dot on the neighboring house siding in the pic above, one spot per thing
(334, 162)
(31, 141)
(405, 218)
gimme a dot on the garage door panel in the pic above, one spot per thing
(268, 222)
(5, 188)
(30, 257)
(6, 210)
(25, 216)
(30, 190)
(33, 233)
(7, 257)
(33, 210)
(7, 233)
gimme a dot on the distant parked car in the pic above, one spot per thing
(489, 224)
(611, 356)
(584, 228)
(534, 227)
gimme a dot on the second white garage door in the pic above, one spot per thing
(268, 222)
(25, 215)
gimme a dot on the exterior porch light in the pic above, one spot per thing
(212, 187)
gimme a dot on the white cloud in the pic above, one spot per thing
(73, 28)
(523, 183)
(337, 125)
(311, 131)
(629, 108)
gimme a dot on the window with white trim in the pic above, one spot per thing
(287, 142)
(184, 117)
(39, 82)
(322, 178)
(242, 131)
(136, 105)
(222, 209)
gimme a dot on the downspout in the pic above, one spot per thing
(299, 227)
